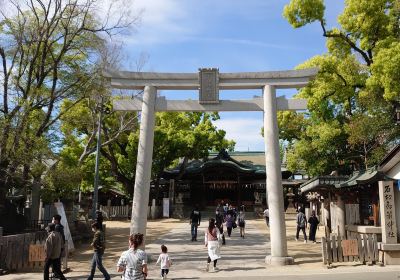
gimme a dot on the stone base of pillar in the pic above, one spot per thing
(279, 261)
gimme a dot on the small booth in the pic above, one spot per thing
(367, 203)
(320, 192)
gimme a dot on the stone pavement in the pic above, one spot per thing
(241, 258)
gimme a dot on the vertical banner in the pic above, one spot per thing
(387, 212)
(166, 207)
(60, 210)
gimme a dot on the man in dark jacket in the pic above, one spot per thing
(301, 222)
(53, 252)
(60, 229)
(99, 246)
(195, 218)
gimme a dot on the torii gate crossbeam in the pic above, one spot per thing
(209, 81)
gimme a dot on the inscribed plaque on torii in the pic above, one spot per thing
(209, 91)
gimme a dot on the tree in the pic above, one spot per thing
(79, 127)
(49, 52)
(187, 136)
(351, 100)
(177, 135)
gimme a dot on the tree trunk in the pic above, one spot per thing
(35, 197)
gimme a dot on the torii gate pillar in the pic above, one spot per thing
(279, 254)
(144, 162)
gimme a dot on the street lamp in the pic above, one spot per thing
(102, 108)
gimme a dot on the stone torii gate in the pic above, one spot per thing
(209, 81)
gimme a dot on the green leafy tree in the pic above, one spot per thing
(49, 52)
(177, 135)
(79, 128)
(350, 102)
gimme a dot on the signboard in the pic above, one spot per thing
(387, 212)
(209, 90)
(350, 247)
(37, 253)
(60, 210)
(166, 207)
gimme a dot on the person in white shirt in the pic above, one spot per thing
(266, 216)
(164, 261)
(133, 262)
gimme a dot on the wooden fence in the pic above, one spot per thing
(14, 250)
(115, 212)
(366, 249)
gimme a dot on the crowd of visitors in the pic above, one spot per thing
(133, 262)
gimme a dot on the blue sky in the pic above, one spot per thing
(232, 35)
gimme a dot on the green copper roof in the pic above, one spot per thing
(322, 182)
(364, 177)
(225, 159)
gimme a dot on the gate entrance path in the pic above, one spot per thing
(209, 81)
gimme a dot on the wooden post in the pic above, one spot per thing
(329, 250)
(340, 253)
(375, 248)
(324, 252)
(360, 254)
(334, 248)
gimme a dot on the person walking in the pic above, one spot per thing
(301, 222)
(99, 246)
(195, 218)
(219, 222)
(212, 244)
(225, 209)
(266, 216)
(229, 222)
(60, 229)
(242, 223)
(53, 252)
(165, 261)
(133, 262)
(313, 221)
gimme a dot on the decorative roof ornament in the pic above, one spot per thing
(313, 196)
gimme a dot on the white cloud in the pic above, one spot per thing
(166, 21)
(245, 131)
(243, 42)
(161, 21)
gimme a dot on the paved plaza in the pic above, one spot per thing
(241, 258)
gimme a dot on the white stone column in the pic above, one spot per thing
(387, 212)
(340, 216)
(144, 161)
(279, 255)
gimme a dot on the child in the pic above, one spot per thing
(165, 261)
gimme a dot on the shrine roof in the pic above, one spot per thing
(364, 177)
(322, 182)
(244, 162)
(390, 160)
